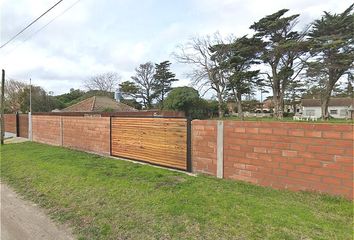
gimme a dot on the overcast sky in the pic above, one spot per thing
(117, 35)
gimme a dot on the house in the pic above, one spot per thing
(268, 104)
(337, 107)
(99, 104)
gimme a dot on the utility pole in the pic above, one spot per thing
(30, 134)
(30, 93)
(2, 107)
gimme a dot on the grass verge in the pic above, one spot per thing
(103, 198)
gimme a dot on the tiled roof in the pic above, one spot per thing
(99, 104)
(335, 102)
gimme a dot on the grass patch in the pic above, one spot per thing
(103, 198)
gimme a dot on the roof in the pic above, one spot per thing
(334, 102)
(99, 104)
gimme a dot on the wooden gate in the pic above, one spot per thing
(161, 141)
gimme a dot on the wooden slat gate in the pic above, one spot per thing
(160, 141)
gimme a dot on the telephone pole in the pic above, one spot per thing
(30, 93)
(2, 130)
(30, 134)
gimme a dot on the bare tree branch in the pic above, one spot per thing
(108, 82)
(197, 52)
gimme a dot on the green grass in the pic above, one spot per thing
(103, 198)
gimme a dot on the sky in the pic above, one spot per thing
(82, 38)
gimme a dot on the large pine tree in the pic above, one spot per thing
(236, 59)
(332, 48)
(163, 80)
(282, 52)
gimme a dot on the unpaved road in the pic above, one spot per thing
(22, 220)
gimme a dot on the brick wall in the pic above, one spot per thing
(83, 133)
(204, 146)
(11, 126)
(23, 118)
(294, 156)
(10, 123)
(46, 129)
(87, 133)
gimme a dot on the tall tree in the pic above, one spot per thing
(236, 60)
(282, 52)
(41, 100)
(107, 82)
(206, 72)
(163, 80)
(332, 46)
(13, 90)
(145, 82)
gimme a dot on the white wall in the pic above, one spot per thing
(341, 112)
(316, 111)
(312, 111)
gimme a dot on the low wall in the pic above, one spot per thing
(204, 146)
(85, 133)
(10, 123)
(294, 156)
(47, 129)
(23, 124)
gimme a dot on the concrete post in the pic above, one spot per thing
(30, 133)
(220, 150)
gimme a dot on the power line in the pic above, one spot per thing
(40, 29)
(30, 24)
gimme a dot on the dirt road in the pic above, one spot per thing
(21, 220)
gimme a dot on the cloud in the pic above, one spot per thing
(96, 36)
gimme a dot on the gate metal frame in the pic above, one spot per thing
(17, 124)
(188, 141)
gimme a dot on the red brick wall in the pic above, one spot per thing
(46, 129)
(204, 146)
(87, 133)
(294, 156)
(83, 133)
(23, 118)
(10, 123)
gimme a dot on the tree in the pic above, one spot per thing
(145, 82)
(293, 93)
(103, 82)
(129, 88)
(346, 88)
(212, 108)
(236, 59)
(332, 47)
(206, 72)
(133, 103)
(12, 94)
(251, 105)
(282, 53)
(163, 80)
(68, 98)
(41, 101)
(186, 99)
